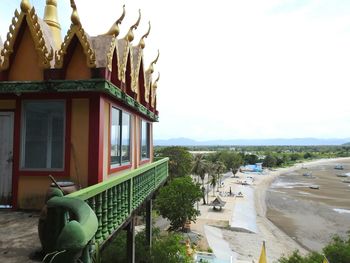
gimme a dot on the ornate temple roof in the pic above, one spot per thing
(103, 52)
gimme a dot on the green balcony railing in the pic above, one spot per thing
(114, 200)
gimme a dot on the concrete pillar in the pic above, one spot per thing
(130, 229)
(149, 223)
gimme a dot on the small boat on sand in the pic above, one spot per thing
(342, 175)
(314, 187)
(346, 181)
(339, 167)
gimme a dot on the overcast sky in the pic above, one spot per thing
(235, 69)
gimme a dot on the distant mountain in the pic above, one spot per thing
(277, 141)
(346, 144)
(176, 141)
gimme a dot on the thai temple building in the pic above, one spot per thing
(80, 110)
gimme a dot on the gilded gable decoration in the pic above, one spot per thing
(154, 91)
(142, 40)
(114, 31)
(130, 35)
(137, 59)
(77, 30)
(29, 15)
(148, 80)
(124, 49)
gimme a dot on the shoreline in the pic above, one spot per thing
(292, 205)
(247, 246)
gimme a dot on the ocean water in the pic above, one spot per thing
(341, 211)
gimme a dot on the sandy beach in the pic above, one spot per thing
(279, 220)
(328, 208)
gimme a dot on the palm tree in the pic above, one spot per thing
(213, 182)
(220, 168)
(200, 168)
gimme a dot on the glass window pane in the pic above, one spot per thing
(43, 142)
(126, 138)
(57, 141)
(115, 136)
(144, 140)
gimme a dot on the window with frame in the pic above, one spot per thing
(43, 131)
(120, 138)
(145, 140)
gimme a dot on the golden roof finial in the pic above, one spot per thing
(150, 68)
(51, 18)
(74, 17)
(25, 6)
(114, 30)
(130, 35)
(157, 79)
(142, 40)
(155, 83)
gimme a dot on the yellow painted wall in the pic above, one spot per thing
(7, 104)
(80, 142)
(25, 64)
(32, 191)
(77, 68)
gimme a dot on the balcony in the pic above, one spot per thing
(90, 216)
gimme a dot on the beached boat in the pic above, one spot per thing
(314, 187)
(347, 181)
(308, 174)
(342, 175)
(339, 167)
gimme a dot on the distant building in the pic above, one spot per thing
(252, 168)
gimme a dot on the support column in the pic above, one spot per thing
(130, 229)
(149, 223)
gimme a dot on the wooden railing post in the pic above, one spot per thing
(131, 241)
(115, 200)
(130, 195)
(149, 223)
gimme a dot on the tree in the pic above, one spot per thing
(176, 201)
(307, 155)
(269, 161)
(165, 248)
(220, 168)
(170, 249)
(251, 159)
(214, 182)
(313, 257)
(200, 168)
(337, 251)
(232, 160)
(180, 160)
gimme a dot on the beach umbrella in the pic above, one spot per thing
(262, 258)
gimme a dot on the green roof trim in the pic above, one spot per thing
(93, 85)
